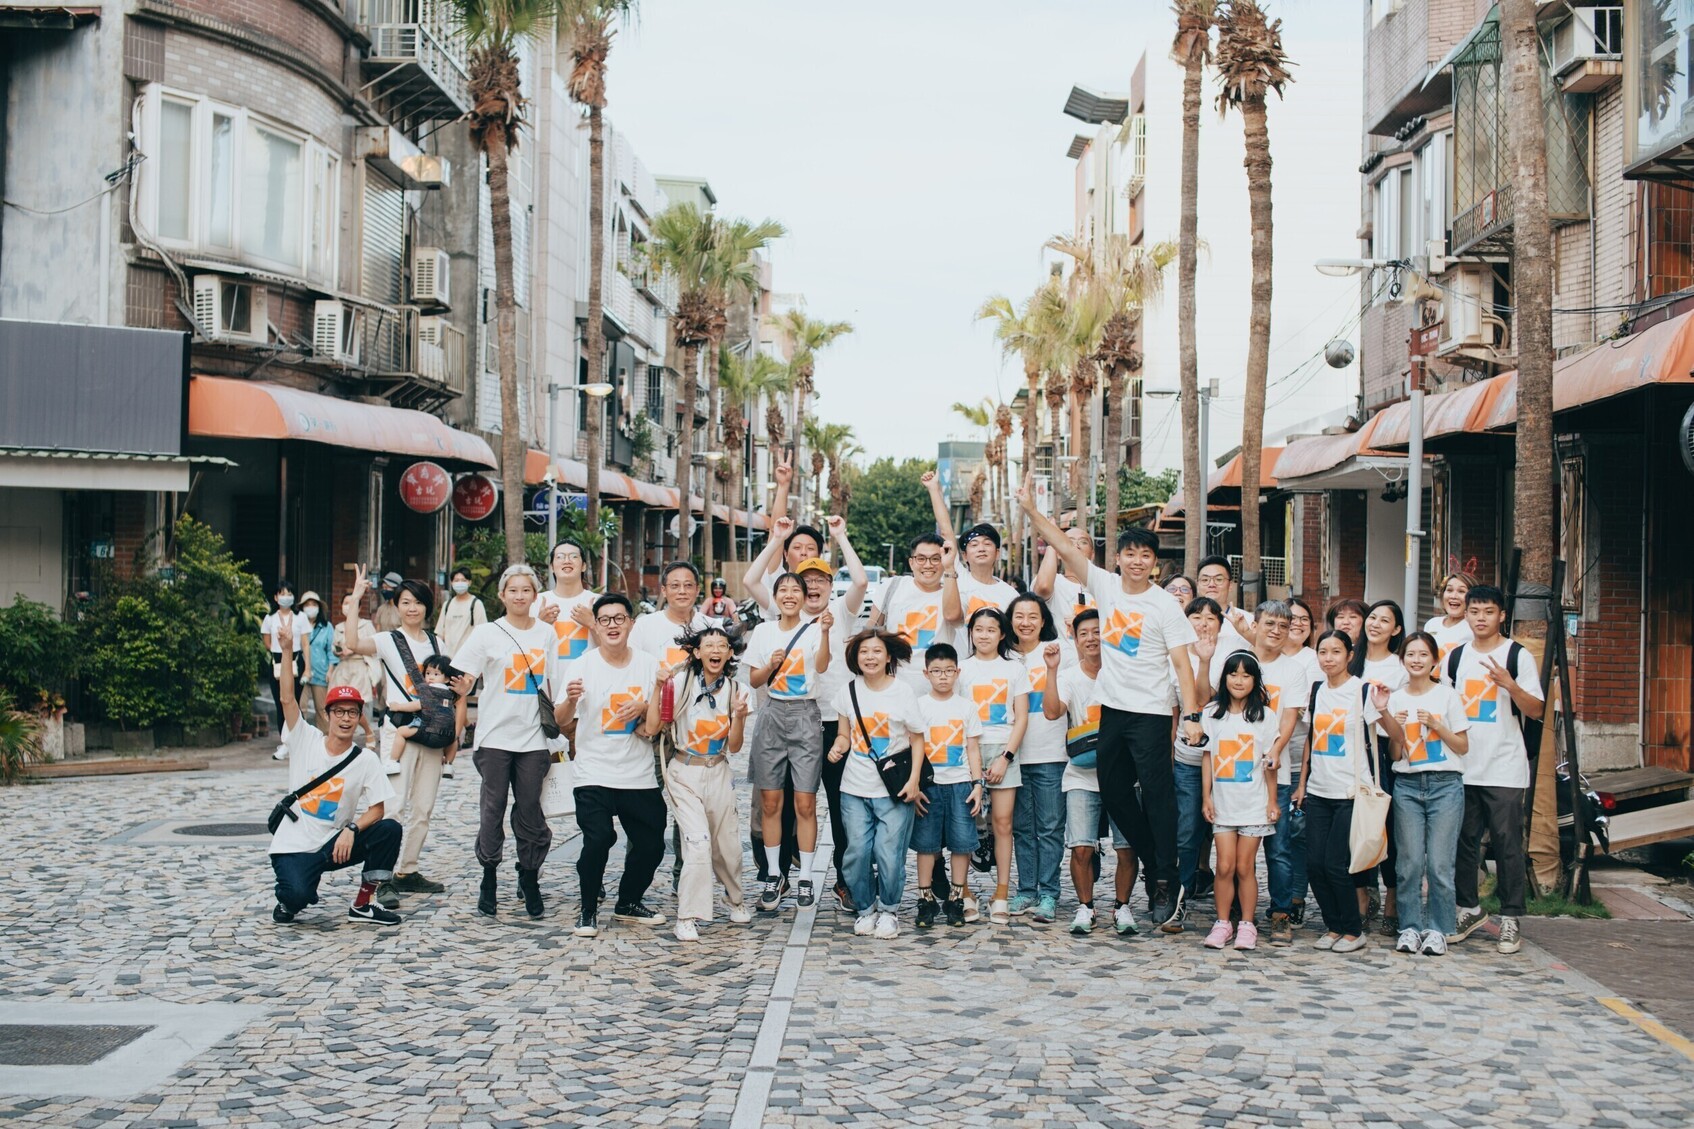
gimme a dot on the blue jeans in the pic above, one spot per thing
(1038, 830)
(1285, 853)
(877, 830)
(1189, 823)
(1429, 809)
(297, 875)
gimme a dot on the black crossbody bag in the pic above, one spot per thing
(285, 806)
(895, 770)
(543, 700)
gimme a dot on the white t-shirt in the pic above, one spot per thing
(915, 616)
(1240, 752)
(610, 755)
(1067, 601)
(512, 664)
(571, 637)
(1446, 638)
(1389, 672)
(1136, 636)
(655, 634)
(702, 728)
(332, 805)
(948, 726)
(1497, 757)
(1340, 744)
(1426, 752)
(797, 680)
(1043, 740)
(1285, 684)
(993, 686)
(1230, 637)
(837, 675)
(1310, 675)
(395, 677)
(297, 624)
(1082, 716)
(892, 717)
(974, 595)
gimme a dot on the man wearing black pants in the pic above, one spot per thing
(1144, 637)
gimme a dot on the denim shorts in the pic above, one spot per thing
(1082, 821)
(948, 822)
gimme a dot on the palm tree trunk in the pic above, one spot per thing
(1258, 342)
(1535, 514)
(1114, 452)
(513, 449)
(713, 436)
(596, 335)
(1031, 440)
(685, 454)
(1188, 241)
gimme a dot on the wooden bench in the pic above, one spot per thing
(1639, 783)
(1652, 825)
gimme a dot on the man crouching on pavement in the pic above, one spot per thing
(327, 831)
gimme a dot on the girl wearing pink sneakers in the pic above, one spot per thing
(1243, 747)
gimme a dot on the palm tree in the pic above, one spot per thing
(589, 25)
(1003, 424)
(1192, 49)
(1020, 332)
(493, 32)
(744, 379)
(681, 245)
(1535, 515)
(977, 415)
(803, 337)
(1251, 64)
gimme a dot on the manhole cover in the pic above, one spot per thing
(221, 830)
(62, 1044)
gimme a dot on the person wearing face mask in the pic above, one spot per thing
(284, 616)
(320, 653)
(460, 614)
(387, 616)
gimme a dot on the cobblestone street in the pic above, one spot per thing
(456, 1020)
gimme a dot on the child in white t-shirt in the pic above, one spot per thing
(953, 736)
(998, 687)
(1243, 746)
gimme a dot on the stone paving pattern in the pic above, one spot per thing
(455, 1020)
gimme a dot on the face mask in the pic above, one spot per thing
(312, 615)
(461, 586)
(390, 593)
(285, 601)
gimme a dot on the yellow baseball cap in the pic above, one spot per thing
(815, 564)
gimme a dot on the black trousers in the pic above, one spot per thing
(1499, 811)
(832, 792)
(790, 853)
(1329, 858)
(641, 811)
(1135, 748)
(297, 875)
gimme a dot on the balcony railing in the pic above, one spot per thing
(1487, 218)
(416, 67)
(418, 360)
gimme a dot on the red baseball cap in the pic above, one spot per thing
(343, 694)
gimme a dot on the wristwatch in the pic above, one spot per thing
(1009, 754)
(1195, 716)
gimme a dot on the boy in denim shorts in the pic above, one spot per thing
(947, 816)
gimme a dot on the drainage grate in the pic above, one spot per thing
(221, 830)
(63, 1044)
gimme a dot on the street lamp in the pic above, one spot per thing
(597, 389)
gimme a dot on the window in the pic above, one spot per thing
(1394, 226)
(656, 393)
(1432, 194)
(1382, 9)
(222, 179)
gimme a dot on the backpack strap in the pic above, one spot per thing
(1453, 657)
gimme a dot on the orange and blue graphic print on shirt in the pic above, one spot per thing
(573, 637)
(881, 732)
(1329, 734)
(608, 712)
(1123, 632)
(1233, 762)
(790, 680)
(1482, 701)
(1274, 705)
(524, 672)
(944, 744)
(1037, 687)
(709, 736)
(323, 801)
(977, 603)
(1088, 727)
(920, 625)
(993, 701)
(1422, 745)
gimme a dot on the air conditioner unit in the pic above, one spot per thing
(1468, 318)
(335, 331)
(1590, 33)
(229, 309)
(430, 276)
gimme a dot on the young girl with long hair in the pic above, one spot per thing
(1377, 661)
(998, 687)
(1243, 746)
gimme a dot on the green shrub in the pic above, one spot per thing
(39, 655)
(20, 739)
(133, 657)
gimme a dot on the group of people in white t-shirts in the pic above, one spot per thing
(975, 726)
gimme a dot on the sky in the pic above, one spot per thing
(916, 153)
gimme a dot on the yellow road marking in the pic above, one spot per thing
(1652, 1026)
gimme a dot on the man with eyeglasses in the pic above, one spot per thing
(612, 760)
(655, 633)
(911, 606)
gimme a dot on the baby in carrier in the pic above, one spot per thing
(441, 712)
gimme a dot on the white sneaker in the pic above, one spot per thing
(1083, 922)
(1510, 942)
(281, 753)
(1409, 941)
(864, 925)
(685, 930)
(740, 914)
(887, 927)
(1434, 943)
(1123, 918)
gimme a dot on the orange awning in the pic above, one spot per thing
(219, 407)
(1228, 477)
(1316, 454)
(617, 485)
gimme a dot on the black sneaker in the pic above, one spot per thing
(529, 884)
(639, 913)
(806, 897)
(281, 914)
(1203, 883)
(771, 896)
(928, 910)
(843, 899)
(416, 883)
(487, 899)
(982, 859)
(1174, 915)
(587, 922)
(387, 896)
(942, 885)
(373, 914)
(1297, 912)
(955, 911)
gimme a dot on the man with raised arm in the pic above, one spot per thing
(978, 550)
(1144, 635)
(1067, 596)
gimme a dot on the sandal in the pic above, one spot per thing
(998, 913)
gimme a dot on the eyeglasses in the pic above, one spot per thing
(943, 670)
(1302, 620)
(345, 711)
(927, 559)
(612, 620)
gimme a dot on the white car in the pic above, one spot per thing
(875, 578)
